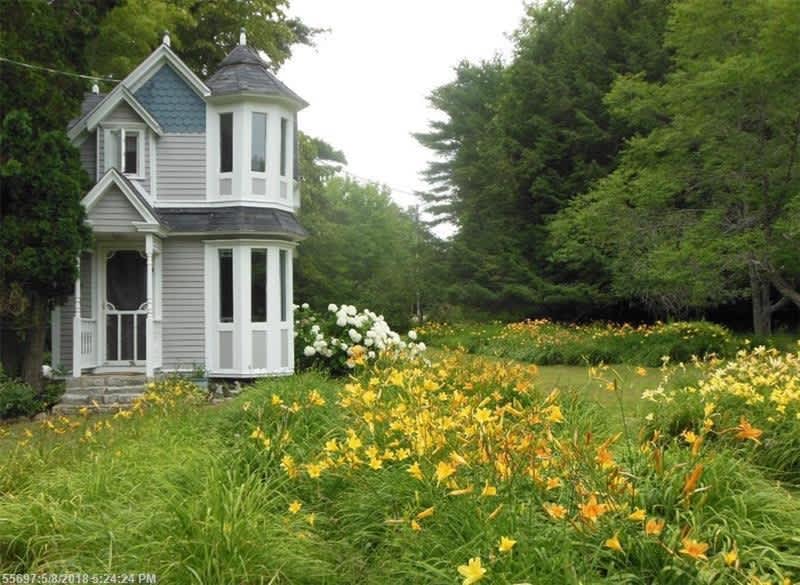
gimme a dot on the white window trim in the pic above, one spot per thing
(139, 174)
(140, 130)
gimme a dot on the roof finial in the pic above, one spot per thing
(165, 39)
(242, 37)
(95, 89)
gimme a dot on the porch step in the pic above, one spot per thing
(70, 399)
(92, 381)
(102, 392)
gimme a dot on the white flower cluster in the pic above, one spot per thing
(354, 335)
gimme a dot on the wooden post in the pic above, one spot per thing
(150, 361)
(76, 327)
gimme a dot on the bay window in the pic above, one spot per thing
(250, 330)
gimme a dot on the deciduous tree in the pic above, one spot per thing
(703, 205)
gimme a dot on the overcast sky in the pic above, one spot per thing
(368, 78)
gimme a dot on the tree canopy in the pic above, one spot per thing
(703, 205)
(203, 32)
(636, 154)
(519, 141)
(363, 249)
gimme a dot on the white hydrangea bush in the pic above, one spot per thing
(343, 338)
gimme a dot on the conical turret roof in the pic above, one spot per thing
(244, 71)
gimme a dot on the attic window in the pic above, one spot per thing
(124, 150)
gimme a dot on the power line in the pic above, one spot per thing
(58, 71)
(405, 191)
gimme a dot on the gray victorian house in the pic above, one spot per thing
(193, 213)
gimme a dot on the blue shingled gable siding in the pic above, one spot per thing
(173, 103)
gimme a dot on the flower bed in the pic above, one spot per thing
(544, 342)
(755, 396)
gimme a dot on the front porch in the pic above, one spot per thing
(116, 325)
(114, 322)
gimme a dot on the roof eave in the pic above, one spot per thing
(227, 97)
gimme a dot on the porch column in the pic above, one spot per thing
(76, 327)
(150, 362)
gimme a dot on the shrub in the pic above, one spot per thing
(17, 399)
(343, 337)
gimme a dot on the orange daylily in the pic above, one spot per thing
(591, 510)
(695, 549)
(748, 431)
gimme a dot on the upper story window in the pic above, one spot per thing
(284, 144)
(258, 149)
(130, 157)
(226, 142)
(124, 150)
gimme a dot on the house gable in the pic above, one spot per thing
(116, 205)
(172, 102)
(135, 81)
(114, 213)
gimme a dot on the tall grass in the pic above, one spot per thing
(192, 494)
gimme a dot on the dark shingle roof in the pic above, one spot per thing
(232, 220)
(90, 100)
(244, 71)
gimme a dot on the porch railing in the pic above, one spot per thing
(88, 343)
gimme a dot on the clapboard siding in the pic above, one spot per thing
(123, 113)
(67, 311)
(88, 152)
(113, 213)
(183, 297)
(181, 168)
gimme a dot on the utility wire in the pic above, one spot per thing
(58, 72)
(405, 191)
